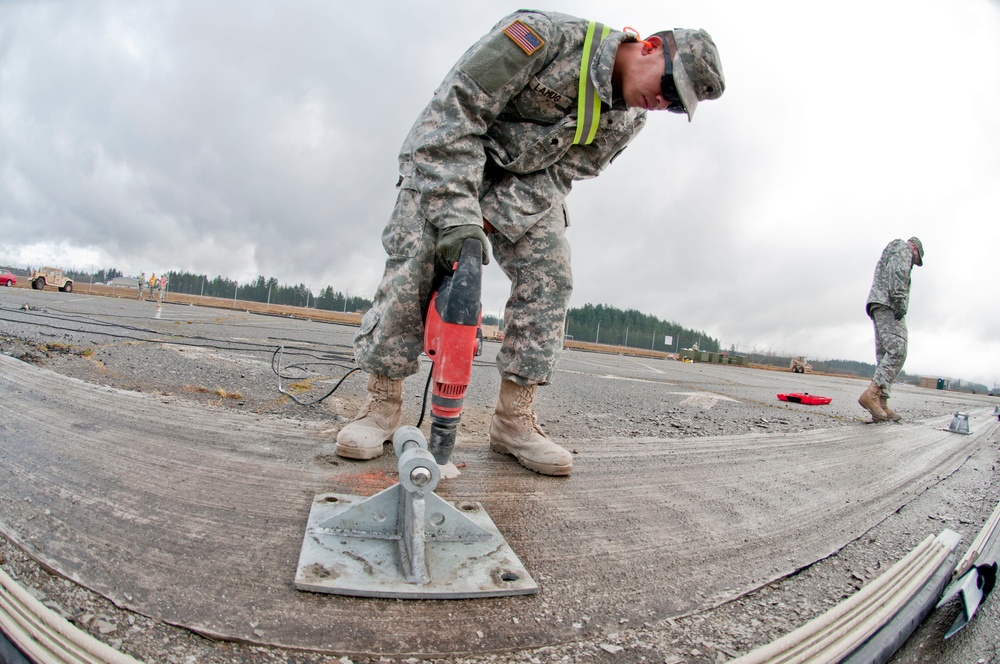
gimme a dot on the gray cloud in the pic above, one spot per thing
(255, 138)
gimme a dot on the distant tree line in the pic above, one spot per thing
(332, 300)
(102, 276)
(264, 290)
(841, 367)
(855, 368)
(605, 324)
(258, 290)
(599, 323)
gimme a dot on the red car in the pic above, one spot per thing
(7, 279)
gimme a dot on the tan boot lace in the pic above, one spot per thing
(525, 412)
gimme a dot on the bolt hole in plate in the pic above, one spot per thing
(363, 566)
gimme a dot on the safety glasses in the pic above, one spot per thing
(669, 88)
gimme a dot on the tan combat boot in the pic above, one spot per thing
(375, 423)
(515, 431)
(883, 401)
(869, 400)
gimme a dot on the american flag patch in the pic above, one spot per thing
(524, 37)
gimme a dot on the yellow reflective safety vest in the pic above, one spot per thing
(588, 110)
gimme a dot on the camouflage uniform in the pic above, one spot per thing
(496, 144)
(887, 304)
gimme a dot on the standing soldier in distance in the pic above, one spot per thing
(888, 301)
(542, 100)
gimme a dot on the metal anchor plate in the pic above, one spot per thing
(471, 559)
(960, 423)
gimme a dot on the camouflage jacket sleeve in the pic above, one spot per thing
(443, 156)
(891, 284)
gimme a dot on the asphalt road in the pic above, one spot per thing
(148, 456)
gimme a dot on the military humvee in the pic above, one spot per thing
(51, 276)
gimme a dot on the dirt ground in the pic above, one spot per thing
(213, 361)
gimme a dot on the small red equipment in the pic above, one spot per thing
(806, 398)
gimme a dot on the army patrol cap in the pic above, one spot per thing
(694, 74)
(915, 241)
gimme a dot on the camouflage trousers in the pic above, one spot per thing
(890, 347)
(391, 337)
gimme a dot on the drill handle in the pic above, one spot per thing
(459, 296)
(472, 250)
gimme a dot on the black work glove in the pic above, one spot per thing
(449, 244)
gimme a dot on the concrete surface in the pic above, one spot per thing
(693, 488)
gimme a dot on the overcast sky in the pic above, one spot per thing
(244, 138)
